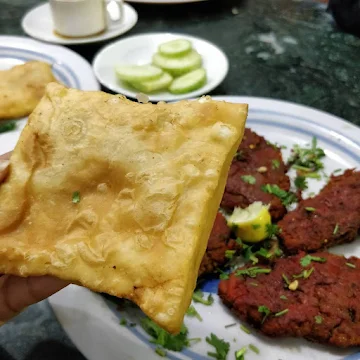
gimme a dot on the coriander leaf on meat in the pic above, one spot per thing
(287, 198)
(8, 126)
(264, 310)
(221, 347)
(272, 230)
(306, 260)
(252, 271)
(229, 254)
(336, 229)
(310, 209)
(301, 182)
(275, 164)
(249, 179)
(350, 265)
(223, 275)
(281, 313)
(318, 319)
(198, 297)
(163, 338)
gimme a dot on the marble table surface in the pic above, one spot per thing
(282, 49)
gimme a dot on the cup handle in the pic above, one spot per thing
(115, 10)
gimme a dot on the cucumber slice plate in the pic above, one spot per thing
(162, 83)
(138, 73)
(180, 65)
(189, 82)
(175, 48)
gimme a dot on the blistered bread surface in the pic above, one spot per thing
(150, 179)
(22, 87)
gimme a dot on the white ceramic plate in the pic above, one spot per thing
(92, 321)
(139, 49)
(68, 67)
(38, 23)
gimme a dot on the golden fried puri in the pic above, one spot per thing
(117, 196)
(22, 87)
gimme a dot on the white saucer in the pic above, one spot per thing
(38, 23)
(139, 49)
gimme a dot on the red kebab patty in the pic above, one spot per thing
(328, 219)
(263, 162)
(324, 307)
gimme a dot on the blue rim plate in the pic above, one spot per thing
(92, 321)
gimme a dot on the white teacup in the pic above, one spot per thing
(80, 18)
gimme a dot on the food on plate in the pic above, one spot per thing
(311, 296)
(218, 245)
(328, 219)
(175, 58)
(251, 224)
(188, 82)
(117, 196)
(258, 173)
(22, 87)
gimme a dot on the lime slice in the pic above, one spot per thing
(137, 73)
(251, 222)
(175, 48)
(188, 82)
(150, 86)
(180, 65)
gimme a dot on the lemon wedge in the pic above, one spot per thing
(250, 223)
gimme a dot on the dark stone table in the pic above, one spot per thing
(283, 49)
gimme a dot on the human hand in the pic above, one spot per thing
(16, 293)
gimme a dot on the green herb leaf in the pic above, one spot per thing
(350, 265)
(7, 126)
(222, 347)
(283, 297)
(275, 164)
(254, 284)
(306, 260)
(240, 354)
(229, 254)
(318, 319)
(230, 325)
(252, 271)
(337, 171)
(254, 349)
(287, 198)
(264, 310)
(239, 242)
(76, 197)
(336, 229)
(223, 275)
(239, 155)
(286, 279)
(248, 179)
(304, 274)
(310, 209)
(123, 322)
(272, 230)
(281, 313)
(245, 329)
(301, 182)
(198, 297)
(256, 226)
(161, 352)
(163, 338)
(192, 312)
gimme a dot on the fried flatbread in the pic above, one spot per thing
(22, 87)
(117, 196)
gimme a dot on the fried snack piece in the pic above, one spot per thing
(322, 307)
(334, 217)
(263, 161)
(22, 87)
(117, 196)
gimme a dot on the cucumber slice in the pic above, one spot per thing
(175, 48)
(189, 82)
(180, 65)
(137, 73)
(150, 86)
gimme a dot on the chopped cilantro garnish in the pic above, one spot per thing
(8, 126)
(283, 297)
(161, 352)
(306, 260)
(123, 322)
(286, 279)
(162, 338)
(256, 226)
(254, 349)
(310, 209)
(229, 254)
(239, 155)
(252, 271)
(230, 325)
(239, 242)
(248, 179)
(337, 171)
(198, 297)
(336, 229)
(287, 198)
(264, 310)
(272, 230)
(223, 275)
(240, 354)
(222, 347)
(350, 265)
(275, 164)
(318, 319)
(192, 312)
(76, 197)
(245, 329)
(254, 284)
(301, 182)
(304, 274)
(281, 313)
